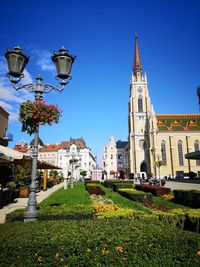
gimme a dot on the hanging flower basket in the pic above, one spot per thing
(33, 114)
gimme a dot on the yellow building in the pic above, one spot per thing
(159, 137)
(4, 116)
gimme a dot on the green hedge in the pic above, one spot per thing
(102, 242)
(190, 198)
(117, 186)
(134, 194)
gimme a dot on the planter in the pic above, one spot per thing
(24, 192)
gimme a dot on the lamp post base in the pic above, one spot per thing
(31, 216)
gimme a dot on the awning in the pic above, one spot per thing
(193, 155)
(8, 154)
(42, 165)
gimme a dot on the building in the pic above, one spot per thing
(163, 137)
(4, 136)
(72, 156)
(122, 158)
(115, 159)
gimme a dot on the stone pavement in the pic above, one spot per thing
(21, 203)
(184, 186)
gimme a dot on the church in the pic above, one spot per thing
(158, 137)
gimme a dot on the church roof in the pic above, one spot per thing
(178, 122)
(39, 142)
(137, 66)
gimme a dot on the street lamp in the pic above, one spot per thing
(75, 157)
(16, 62)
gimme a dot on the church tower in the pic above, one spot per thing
(142, 120)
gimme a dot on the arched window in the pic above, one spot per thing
(111, 156)
(163, 152)
(180, 152)
(140, 104)
(196, 148)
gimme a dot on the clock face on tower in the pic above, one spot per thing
(140, 90)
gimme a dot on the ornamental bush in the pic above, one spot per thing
(153, 189)
(117, 186)
(114, 242)
(190, 198)
(33, 114)
(134, 195)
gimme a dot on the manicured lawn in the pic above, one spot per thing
(68, 234)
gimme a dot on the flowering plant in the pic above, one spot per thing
(33, 114)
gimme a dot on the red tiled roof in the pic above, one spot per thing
(20, 148)
(50, 147)
(77, 142)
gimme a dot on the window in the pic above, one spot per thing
(163, 152)
(180, 153)
(140, 104)
(111, 156)
(196, 148)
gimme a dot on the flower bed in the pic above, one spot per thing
(155, 190)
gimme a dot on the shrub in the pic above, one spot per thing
(155, 190)
(114, 242)
(96, 191)
(189, 198)
(109, 183)
(192, 222)
(117, 186)
(134, 194)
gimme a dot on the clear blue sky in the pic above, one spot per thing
(101, 34)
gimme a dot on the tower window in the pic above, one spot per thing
(180, 153)
(140, 104)
(163, 152)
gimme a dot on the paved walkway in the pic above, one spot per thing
(21, 203)
(184, 186)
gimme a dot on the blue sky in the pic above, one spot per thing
(101, 34)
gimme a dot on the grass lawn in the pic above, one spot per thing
(68, 234)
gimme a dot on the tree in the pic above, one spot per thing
(83, 174)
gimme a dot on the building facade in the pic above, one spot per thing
(72, 156)
(115, 159)
(4, 136)
(163, 137)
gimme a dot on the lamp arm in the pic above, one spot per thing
(49, 87)
(30, 87)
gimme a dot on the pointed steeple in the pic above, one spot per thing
(137, 66)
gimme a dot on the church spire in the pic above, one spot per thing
(137, 66)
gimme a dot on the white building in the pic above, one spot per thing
(72, 156)
(110, 159)
(115, 159)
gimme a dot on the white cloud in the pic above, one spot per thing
(44, 60)
(9, 97)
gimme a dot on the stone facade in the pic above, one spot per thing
(165, 137)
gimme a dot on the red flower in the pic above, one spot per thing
(35, 117)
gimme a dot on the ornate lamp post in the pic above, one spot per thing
(75, 157)
(16, 62)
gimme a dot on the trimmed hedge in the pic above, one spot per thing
(153, 189)
(120, 242)
(190, 198)
(117, 186)
(109, 183)
(134, 194)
